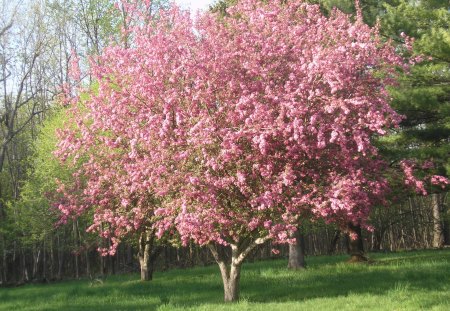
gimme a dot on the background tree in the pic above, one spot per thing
(424, 95)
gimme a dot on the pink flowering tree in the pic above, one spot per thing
(228, 131)
(114, 149)
(276, 123)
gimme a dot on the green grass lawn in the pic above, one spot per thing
(398, 281)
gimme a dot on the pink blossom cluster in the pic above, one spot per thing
(439, 181)
(233, 128)
(410, 167)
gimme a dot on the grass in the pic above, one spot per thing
(398, 281)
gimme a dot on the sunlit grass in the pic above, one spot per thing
(398, 281)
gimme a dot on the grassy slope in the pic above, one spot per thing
(401, 281)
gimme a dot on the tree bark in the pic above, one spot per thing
(297, 252)
(438, 232)
(446, 229)
(44, 262)
(60, 258)
(230, 265)
(333, 243)
(4, 266)
(231, 278)
(147, 254)
(355, 243)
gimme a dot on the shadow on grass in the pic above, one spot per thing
(261, 282)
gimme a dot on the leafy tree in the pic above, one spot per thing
(423, 96)
(235, 128)
(38, 216)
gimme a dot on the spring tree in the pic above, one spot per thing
(226, 131)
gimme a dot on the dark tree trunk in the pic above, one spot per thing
(446, 231)
(333, 243)
(76, 250)
(24, 272)
(355, 243)
(297, 252)
(60, 258)
(102, 266)
(88, 263)
(52, 260)
(377, 239)
(438, 232)
(129, 255)
(4, 266)
(36, 257)
(44, 262)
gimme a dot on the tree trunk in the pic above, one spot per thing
(438, 232)
(129, 255)
(24, 272)
(231, 277)
(36, 257)
(4, 274)
(333, 243)
(378, 237)
(102, 265)
(297, 252)
(60, 258)
(147, 254)
(230, 266)
(44, 263)
(88, 263)
(52, 260)
(446, 230)
(355, 243)
(76, 250)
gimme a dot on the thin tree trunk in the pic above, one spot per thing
(129, 255)
(36, 256)
(77, 248)
(446, 229)
(333, 242)
(4, 262)
(377, 239)
(60, 258)
(23, 262)
(413, 220)
(355, 244)
(102, 265)
(52, 260)
(44, 263)
(166, 258)
(88, 263)
(297, 252)
(438, 232)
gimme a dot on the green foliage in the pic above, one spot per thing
(34, 216)
(397, 281)
(424, 95)
(371, 9)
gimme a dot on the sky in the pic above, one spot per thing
(194, 5)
